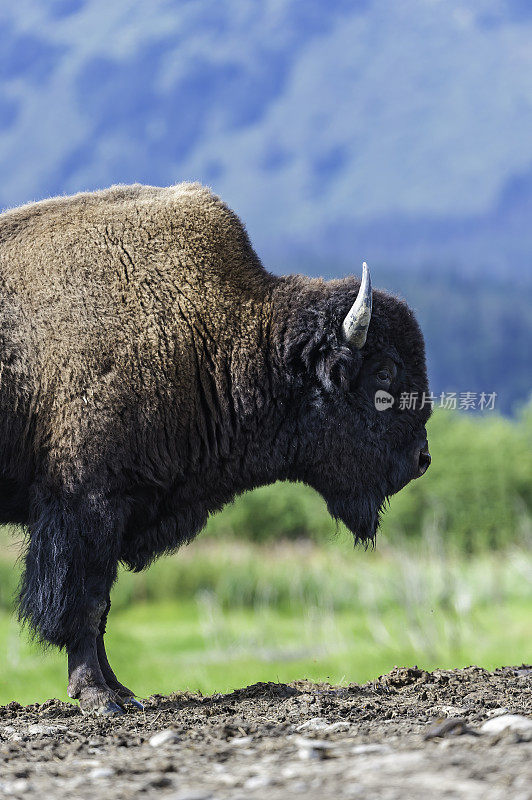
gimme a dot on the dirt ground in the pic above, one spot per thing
(409, 734)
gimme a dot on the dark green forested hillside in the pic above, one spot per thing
(479, 335)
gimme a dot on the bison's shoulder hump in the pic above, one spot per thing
(156, 231)
(190, 205)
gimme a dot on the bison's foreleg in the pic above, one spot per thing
(126, 696)
(86, 682)
(70, 566)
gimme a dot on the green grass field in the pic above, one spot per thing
(224, 614)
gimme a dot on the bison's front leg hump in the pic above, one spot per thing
(70, 566)
(126, 696)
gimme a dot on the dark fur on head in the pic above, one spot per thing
(152, 370)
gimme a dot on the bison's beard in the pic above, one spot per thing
(360, 514)
(358, 498)
(361, 508)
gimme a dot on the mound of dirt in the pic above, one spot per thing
(409, 734)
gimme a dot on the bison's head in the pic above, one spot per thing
(360, 435)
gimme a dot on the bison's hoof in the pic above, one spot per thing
(110, 709)
(133, 703)
(101, 701)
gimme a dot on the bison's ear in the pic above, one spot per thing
(337, 369)
(333, 363)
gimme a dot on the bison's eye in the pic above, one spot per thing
(384, 376)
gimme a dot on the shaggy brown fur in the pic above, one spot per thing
(151, 369)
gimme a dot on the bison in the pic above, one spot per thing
(151, 369)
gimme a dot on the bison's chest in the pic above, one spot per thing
(160, 520)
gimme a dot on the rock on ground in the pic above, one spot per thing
(408, 734)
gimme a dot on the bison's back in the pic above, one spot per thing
(103, 297)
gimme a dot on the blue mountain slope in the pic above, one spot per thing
(397, 131)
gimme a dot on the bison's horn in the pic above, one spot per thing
(355, 325)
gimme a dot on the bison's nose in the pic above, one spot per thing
(423, 459)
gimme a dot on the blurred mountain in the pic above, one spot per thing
(398, 131)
